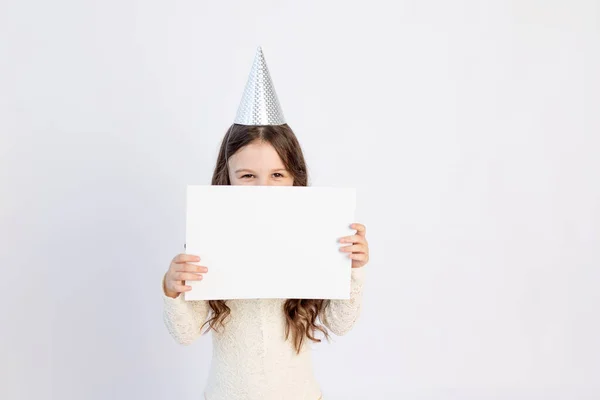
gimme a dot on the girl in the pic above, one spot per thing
(261, 346)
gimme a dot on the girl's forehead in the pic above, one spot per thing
(258, 154)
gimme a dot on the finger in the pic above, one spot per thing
(357, 248)
(360, 229)
(358, 256)
(183, 258)
(190, 268)
(353, 239)
(180, 288)
(186, 276)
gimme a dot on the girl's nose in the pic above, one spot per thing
(264, 182)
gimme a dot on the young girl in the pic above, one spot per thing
(261, 346)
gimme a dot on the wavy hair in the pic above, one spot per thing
(300, 314)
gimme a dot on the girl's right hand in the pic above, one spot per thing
(180, 271)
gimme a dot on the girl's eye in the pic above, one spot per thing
(247, 176)
(278, 175)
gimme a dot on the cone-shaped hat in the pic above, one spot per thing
(259, 105)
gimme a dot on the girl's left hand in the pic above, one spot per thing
(359, 249)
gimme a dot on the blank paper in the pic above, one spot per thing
(270, 241)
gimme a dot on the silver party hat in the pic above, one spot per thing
(259, 105)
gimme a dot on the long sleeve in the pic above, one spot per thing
(341, 315)
(184, 319)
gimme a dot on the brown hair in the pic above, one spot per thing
(301, 314)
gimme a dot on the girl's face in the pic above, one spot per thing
(258, 164)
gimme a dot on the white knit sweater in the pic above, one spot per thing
(251, 358)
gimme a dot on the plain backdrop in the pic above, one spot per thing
(469, 128)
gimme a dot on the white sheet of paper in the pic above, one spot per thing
(270, 241)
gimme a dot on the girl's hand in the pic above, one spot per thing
(179, 271)
(359, 249)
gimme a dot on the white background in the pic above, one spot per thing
(470, 129)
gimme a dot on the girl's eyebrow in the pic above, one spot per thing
(279, 169)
